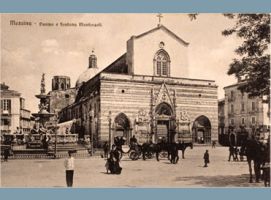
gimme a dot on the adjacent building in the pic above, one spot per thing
(146, 92)
(14, 117)
(240, 114)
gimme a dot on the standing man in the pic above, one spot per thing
(231, 153)
(69, 165)
(6, 154)
(206, 158)
(106, 149)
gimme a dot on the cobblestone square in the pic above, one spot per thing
(90, 172)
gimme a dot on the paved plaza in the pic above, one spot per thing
(90, 172)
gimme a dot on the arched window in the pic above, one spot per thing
(162, 63)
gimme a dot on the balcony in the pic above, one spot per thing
(253, 111)
(230, 115)
(5, 127)
(5, 112)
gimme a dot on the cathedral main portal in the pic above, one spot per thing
(163, 120)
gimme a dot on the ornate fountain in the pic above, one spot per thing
(46, 134)
(43, 115)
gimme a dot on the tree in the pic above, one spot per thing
(253, 60)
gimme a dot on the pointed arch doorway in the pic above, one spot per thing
(202, 130)
(163, 119)
(122, 127)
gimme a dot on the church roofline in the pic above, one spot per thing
(235, 84)
(114, 62)
(158, 79)
(162, 27)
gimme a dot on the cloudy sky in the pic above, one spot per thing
(28, 51)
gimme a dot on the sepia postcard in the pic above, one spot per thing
(150, 100)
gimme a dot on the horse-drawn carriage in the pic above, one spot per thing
(161, 149)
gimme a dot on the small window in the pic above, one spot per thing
(243, 121)
(232, 108)
(5, 104)
(242, 107)
(232, 95)
(232, 121)
(122, 91)
(253, 106)
(67, 96)
(253, 120)
(62, 86)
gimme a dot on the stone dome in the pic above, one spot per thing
(86, 75)
(90, 72)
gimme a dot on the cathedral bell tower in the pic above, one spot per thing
(92, 60)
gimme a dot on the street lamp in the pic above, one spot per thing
(91, 113)
(109, 131)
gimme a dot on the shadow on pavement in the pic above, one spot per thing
(221, 181)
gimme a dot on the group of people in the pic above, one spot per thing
(113, 156)
(234, 152)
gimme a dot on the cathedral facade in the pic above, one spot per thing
(146, 93)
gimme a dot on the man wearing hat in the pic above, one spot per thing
(69, 166)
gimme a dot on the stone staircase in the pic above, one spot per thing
(22, 152)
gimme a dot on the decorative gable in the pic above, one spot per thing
(163, 96)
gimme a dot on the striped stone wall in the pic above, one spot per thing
(129, 94)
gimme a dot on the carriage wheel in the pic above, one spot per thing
(133, 155)
(149, 155)
(163, 154)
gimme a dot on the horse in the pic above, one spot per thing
(182, 146)
(254, 151)
(148, 149)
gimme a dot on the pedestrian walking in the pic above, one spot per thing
(236, 153)
(213, 144)
(206, 158)
(231, 153)
(69, 165)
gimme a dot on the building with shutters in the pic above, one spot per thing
(241, 115)
(14, 117)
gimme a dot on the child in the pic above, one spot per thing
(206, 158)
(69, 165)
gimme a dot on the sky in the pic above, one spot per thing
(29, 51)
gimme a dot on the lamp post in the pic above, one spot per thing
(55, 134)
(91, 113)
(109, 128)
